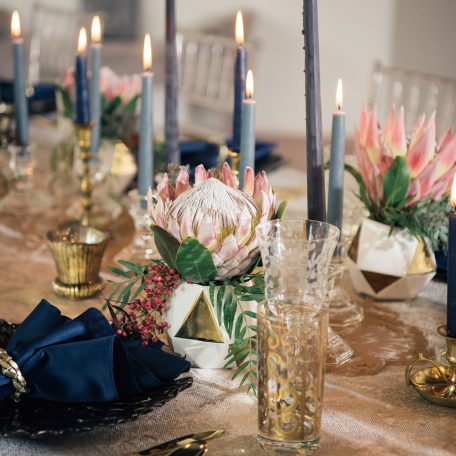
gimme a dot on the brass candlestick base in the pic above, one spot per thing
(235, 157)
(84, 141)
(436, 384)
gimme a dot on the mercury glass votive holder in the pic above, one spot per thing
(292, 333)
(77, 252)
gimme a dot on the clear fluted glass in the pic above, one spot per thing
(292, 332)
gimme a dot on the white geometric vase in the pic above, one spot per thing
(389, 265)
(193, 327)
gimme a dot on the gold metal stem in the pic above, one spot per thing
(84, 140)
(235, 157)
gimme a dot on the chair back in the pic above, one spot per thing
(418, 92)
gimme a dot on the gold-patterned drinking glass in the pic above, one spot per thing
(77, 251)
(292, 332)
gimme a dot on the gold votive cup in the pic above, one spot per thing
(77, 252)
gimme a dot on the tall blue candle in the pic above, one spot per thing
(95, 97)
(82, 82)
(20, 98)
(171, 87)
(336, 170)
(239, 82)
(247, 153)
(451, 272)
(146, 151)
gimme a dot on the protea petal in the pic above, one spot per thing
(415, 191)
(186, 225)
(388, 128)
(420, 154)
(228, 249)
(244, 228)
(207, 235)
(200, 174)
(164, 189)
(372, 139)
(398, 142)
(446, 156)
(363, 126)
(228, 176)
(182, 181)
(445, 139)
(417, 131)
(249, 179)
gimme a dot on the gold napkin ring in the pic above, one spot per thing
(11, 370)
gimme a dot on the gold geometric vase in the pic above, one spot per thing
(389, 265)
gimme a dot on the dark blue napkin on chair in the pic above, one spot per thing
(83, 360)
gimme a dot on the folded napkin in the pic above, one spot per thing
(83, 360)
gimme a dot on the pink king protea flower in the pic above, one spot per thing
(430, 165)
(221, 217)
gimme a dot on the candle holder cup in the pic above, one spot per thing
(77, 252)
(437, 383)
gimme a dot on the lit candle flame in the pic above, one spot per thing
(96, 30)
(239, 29)
(249, 84)
(339, 95)
(147, 53)
(453, 193)
(82, 42)
(15, 25)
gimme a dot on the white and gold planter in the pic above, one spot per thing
(389, 265)
(193, 327)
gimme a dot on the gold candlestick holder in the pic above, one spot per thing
(437, 383)
(235, 157)
(84, 141)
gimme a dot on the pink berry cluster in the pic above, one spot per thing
(144, 316)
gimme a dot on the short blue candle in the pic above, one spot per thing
(20, 97)
(146, 158)
(239, 83)
(337, 163)
(451, 276)
(247, 153)
(82, 82)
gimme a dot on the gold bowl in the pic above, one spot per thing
(77, 252)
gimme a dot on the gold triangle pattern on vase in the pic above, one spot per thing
(422, 261)
(200, 322)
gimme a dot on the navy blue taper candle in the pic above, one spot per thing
(239, 82)
(82, 82)
(20, 97)
(451, 272)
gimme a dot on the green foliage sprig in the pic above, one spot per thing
(425, 219)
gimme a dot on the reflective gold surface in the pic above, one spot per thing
(437, 384)
(291, 366)
(84, 140)
(200, 322)
(77, 253)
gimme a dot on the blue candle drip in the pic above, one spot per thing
(82, 91)
(451, 275)
(20, 98)
(239, 91)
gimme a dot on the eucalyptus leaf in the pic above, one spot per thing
(281, 210)
(194, 262)
(167, 245)
(219, 308)
(119, 271)
(131, 266)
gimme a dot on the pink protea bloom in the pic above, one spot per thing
(216, 213)
(431, 164)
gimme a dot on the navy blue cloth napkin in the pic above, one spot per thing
(83, 360)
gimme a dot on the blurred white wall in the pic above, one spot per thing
(352, 34)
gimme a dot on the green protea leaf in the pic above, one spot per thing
(194, 262)
(396, 182)
(167, 245)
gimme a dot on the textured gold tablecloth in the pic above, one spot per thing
(368, 410)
